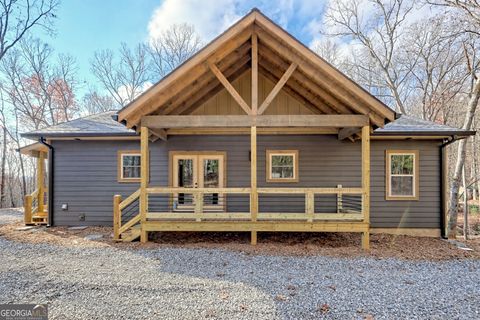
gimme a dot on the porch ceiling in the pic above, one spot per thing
(281, 58)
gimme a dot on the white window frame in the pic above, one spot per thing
(389, 175)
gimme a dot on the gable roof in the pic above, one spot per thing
(103, 124)
(97, 125)
(322, 85)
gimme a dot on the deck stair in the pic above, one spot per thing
(127, 218)
(40, 218)
(131, 234)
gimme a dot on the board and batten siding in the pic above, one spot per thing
(86, 174)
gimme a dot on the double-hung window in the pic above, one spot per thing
(402, 175)
(282, 166)
(129, 166)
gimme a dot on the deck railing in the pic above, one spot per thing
(200, 204)
(35, 207)
(125, 213)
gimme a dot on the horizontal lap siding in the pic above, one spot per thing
(424, 213)
(86, 175)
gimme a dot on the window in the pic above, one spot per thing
(402, 175)
(129, 166)
(282, 166)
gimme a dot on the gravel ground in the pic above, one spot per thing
(176, 283)
(11, 215)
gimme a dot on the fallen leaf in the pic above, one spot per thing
(280, 297)
(324, 308)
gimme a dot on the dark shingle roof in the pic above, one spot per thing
(414, 126)
(103, 124)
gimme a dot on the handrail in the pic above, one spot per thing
(34, 194)
(312, 190)
(196, 190)
(200, 212)
(29, 210)
(129, 199)
(118, 206)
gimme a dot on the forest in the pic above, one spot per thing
(421, 58)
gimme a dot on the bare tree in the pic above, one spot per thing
(378, 26)
(39, 87)
(439, 73)
(94, 102)
(3, 126)
(330, 51)
(123, 78)
(18, 17)
(173, 47)
(469, 13)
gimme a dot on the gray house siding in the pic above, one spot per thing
(86, 175)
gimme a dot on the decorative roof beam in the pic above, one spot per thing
(348, 132)
(331, 121)
(268, 100)
(254, 72)
(228, 86)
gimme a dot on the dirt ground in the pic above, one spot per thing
(293, 244)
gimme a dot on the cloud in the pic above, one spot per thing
(212, 17)
(209, 17)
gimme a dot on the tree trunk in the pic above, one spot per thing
(465, 205)
(461, 151)
(2, 173)
(474, 173)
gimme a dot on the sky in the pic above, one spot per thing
(84, 26)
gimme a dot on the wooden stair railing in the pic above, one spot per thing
(35, 208)
(127, 231)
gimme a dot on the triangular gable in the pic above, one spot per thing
(281, 57)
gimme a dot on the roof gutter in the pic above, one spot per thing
(51, 159)
(443, 183)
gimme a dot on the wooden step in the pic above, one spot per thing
(132, 234)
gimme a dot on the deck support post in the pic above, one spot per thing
(28, 210)
(366, 184)
(40, 182)
(253, 186)
(117, 222)
(143, 182)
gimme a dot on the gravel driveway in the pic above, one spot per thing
(10, 215)
(112, 283)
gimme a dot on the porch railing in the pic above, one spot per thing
(35, 207)
(126, 213)
(198, 204)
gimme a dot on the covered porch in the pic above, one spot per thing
(249, 208)
(253, 80)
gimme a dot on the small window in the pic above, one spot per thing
(129, 166)
(282, 166)
(402, 175)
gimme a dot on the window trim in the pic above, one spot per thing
(268, 174)
(120, 155)
(416, 174)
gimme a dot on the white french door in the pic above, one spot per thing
(198, 170)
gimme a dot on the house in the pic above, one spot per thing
(254, 133)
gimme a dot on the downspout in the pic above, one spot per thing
(443, 181)
(50, 180)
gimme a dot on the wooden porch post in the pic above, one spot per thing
(253, 173)
(143, 182)
(253, 138)
(40, 181)
(366, 184)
